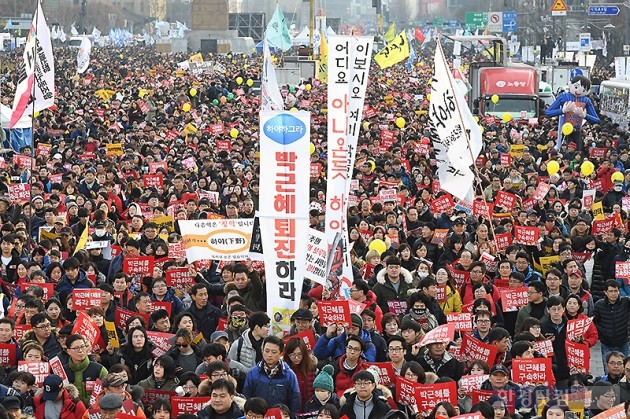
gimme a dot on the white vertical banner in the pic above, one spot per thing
(270, 97)
(348, 65)
(83, 56)
(39, 69)
(284, 207)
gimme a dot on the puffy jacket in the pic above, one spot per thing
(51, 346)
(612, 320)
(70, 408)
(558, 335)
(169, 385)
(453, 303)
(65, 287)
(282, 388)
(343, 377)
(207, 319)
(385, 291)
(335, 347)
(82, 373)
(380, 407)
(245, 352)
(209, 413)
(176, 304)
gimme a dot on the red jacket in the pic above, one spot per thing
(70, 409)
(343, 377)
(591, 337)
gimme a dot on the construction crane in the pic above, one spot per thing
(157, 9)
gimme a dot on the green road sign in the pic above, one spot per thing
(476, 20)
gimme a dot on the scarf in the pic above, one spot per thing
(436, 364)
(78, 376)
(271, 371)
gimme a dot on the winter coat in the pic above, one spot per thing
(342, 377)
(245, 353)
(11, 267)
(51, 346)
(305, 382)
(591, 337)
(207, 319)
(335, 347)
(385, 291)
(558, 334)
(176, 304)
(453, 302)
(140, 363)
(252, 294)
(169, 385)
(313, 405)
(612, 321)
(71, 408)
(379, 409)
(525, 312)
(175, 354)
(65, 287)
(137, 410)
(209, 413)
(371, 303)
(281, 388)
(451, 368)
(83, 373)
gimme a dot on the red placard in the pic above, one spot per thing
(460, 277)
(158, 305)
(216, 129)
(316, 170)
(503, 241)
(513, 298)
(155, 180)
(598, 152)
(545, 347)
(19, 192)
(506, 159)
(84, 299)
(40, 370)
(615, 412)
(22, 161)
(442, 204)
(162, 342)
(334, 312)
(138, 265)
(441, 293)
(622, 270)
(308, 337)
(603, 226)
(429, 395)
(56, 367)
(7, 354)
(369, 112)
(541, 191)
(406, 392)
(275, 413)
(439, 236)
(505, 200)
(153, 167)
(581, 257)
(20, 329)
(443, 333)
(224, 145)
(151, 395)
(578, 356)
(475, 349)
(461, 321)
(385, 372)
(122, 315)
(533, 372)
(578, 327)
(482, 208)
(526, 235)
(397, 307)
(483, 395)
(187, 405)
(85, 326)
(387, 137)
(179, 277)
(43, 149)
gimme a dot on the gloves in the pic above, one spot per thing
(568, 107)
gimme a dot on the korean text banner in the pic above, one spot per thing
(284, 205)
(216, 239)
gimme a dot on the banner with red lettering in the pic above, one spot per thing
(385, 372)
(533, 372)
(187, 405)
(468, 383)
(473, 349)
(85, 326)
(513, 298)
(334, 312)
(578, 356)
(86, 298)
(428, 395)
(138, 265)
(40, 370)
(526, 235)
(603, 226)
(444, 333)
(577, 327)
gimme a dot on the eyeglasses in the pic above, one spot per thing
(476, 271)
(296, 355)
(159, 286)
(43, 326)
(180, 345)
(189, 387)
(362, 383)
(396, 349)
(254, 416)
(353, 349)
(615, 363)
(219, 375)
(78, 348)
(484, 321)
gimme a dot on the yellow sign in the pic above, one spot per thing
(46, 235)
(197, 58)
(112, 335)
(546, 263)
(517, 150)
(394, 52)
(559, 6)
(115, 149)
(190, 128)
(598, 210)
(164, 221)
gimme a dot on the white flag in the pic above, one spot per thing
(83, 56)
(96, 33)
(456, 135)
(73, 31)
(37, 53)
(270, 97)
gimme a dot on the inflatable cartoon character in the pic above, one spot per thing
(574, 107)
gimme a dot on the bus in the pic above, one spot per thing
(614, 101)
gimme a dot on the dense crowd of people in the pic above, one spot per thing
(417, 264)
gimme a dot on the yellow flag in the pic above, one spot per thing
(197, 58)
(598, 210)
(82, 241)
(391, 33)
(112, 334)
(322, 64)
(394, 52)
(105, 94)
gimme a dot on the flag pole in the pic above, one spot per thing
(472, 157)
(30, 178)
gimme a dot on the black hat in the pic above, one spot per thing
(459, 220)
(99, 224)
(302, 314)
(500, 368)
(12, 402)
(53, 384)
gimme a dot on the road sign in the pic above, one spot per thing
(603, 10)
(495, 22)
(476, 20)
(585, 41)
(510, 21)
(559, 8)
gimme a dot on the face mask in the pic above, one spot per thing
(99, 232)
(418, 311)
(322, 395)
(422, 275)
(618, 188)
(238, 322)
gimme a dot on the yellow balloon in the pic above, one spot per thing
(193, 92)
(378, 245)
(312, 148)
(186, 107)
(400, 122)
(587, 168)
(233, 133)
(372, 165)
(239, 80)
(495, 99)
(250, 82)
(36, 114)
(567, 128)
(617, 177)
(429, 96)
(506, 117)
(229, 56)
(553, 167)
(293, 109)
(366, 125)
(245, 66)
(308, 87)
(476, 118)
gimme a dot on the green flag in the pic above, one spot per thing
(278, 32)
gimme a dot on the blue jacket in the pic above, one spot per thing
(66, 287)
(176, 304)
(282, 388)
(624, 288)
(335, 347)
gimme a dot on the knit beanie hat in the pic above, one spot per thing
(324, 379)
